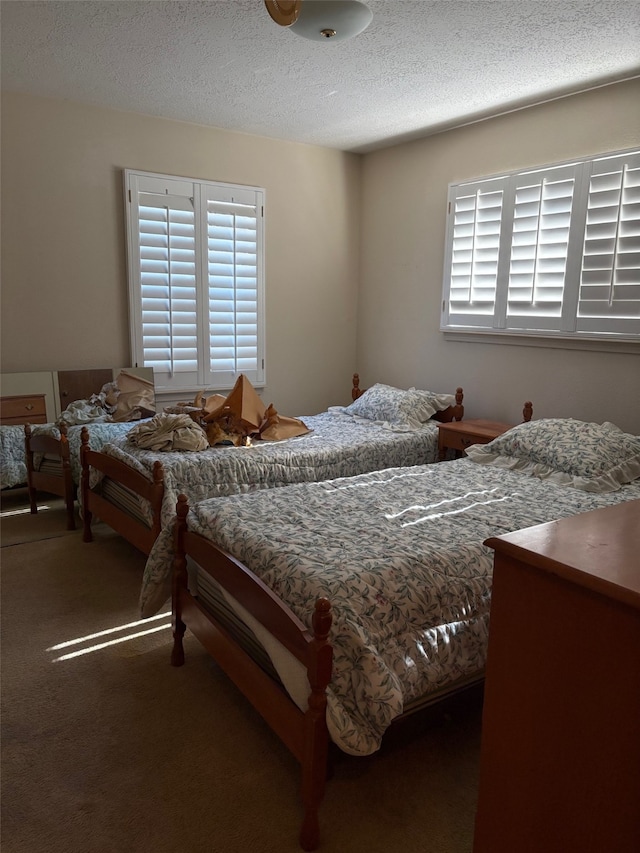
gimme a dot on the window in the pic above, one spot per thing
(196, 280)
(554, 251)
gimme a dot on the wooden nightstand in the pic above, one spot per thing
(458, 435)
(22, 409)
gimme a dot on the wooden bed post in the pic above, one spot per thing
(459, 407)
(57, 484)
(527, 412)
(355, 390)
(87, 536)
(316, 735)
(67, 476)
(179, 580)
(32, 492)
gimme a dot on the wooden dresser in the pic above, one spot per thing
(22, 409)
(560, 755)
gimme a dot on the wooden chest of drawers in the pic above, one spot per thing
(27, 408)
(560, 755)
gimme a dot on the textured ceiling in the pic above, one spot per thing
(421, 66)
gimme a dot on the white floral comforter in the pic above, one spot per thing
(399, 554)
(339, 446)
(12, 453)
(13, 462)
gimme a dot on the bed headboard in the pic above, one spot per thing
(452, 413)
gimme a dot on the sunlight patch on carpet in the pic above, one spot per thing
(23, 511)
(128, 636)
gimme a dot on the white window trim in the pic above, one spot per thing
(490, 318)
(201, 195)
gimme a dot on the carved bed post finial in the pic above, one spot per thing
(527, 412)
(355, 390)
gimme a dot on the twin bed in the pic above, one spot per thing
(134, 491)
(339, 578)
(52, 459)
(46, 456)
(341, 607)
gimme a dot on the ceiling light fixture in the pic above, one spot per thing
(321, 20)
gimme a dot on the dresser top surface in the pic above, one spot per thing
(599, 549)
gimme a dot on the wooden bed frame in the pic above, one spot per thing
(134, 530)
(304, 733)
(139, 534)
(50, 481)
(72, 385)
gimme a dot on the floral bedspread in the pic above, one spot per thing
(13, 460)
(399, 554)
(339, 446)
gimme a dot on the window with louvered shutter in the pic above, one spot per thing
(549, 252)
(477, 215)
(195, 251)
(609, 297)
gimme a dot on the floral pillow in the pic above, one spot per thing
(587, 456)
(396, 408)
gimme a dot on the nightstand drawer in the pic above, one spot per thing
(28, 408)
(462, 440)
(459, 435)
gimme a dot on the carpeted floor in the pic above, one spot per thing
(114, 750)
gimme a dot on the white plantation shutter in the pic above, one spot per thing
(477, 216)
(196, 280)
(234, 245)
(539, 243)
(609, 298)
(554, 251)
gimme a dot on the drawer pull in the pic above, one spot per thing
(29, 406)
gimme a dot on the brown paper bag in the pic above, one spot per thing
(275, 427)
(242, 411)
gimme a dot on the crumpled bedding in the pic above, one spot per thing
(165, 432)
(399, 555)
(127, 398)
(85, 412)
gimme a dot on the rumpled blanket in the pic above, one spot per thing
(85, 412)
(169, 432)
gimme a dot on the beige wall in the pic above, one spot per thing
(64, 292)
(403, 233)
(333, 219)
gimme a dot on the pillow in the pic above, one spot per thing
(587, 456)
(396, 408)
(430, 403)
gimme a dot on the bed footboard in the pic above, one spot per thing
(55, 479)
(135, 530)
(303, 732)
